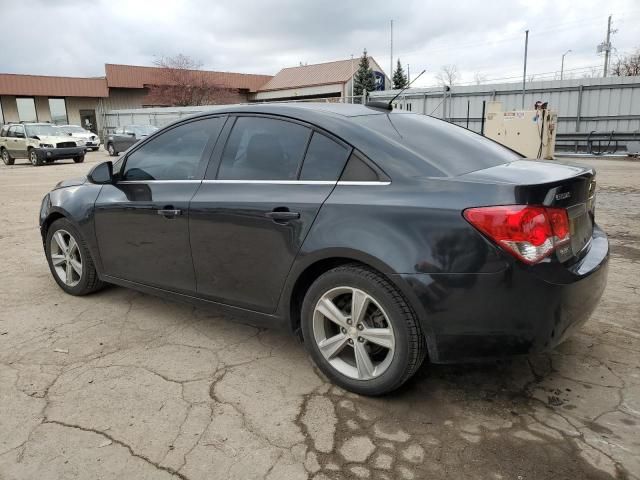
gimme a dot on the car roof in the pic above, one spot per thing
(327, 108)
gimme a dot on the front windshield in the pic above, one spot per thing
(44, 129)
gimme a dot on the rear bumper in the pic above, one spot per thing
(59, 153)
(520, 310)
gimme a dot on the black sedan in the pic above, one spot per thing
(379, 238)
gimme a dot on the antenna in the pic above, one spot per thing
(401, 91)
(387, 105)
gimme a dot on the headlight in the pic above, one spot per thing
(46, 145)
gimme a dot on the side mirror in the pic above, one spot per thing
(101, 173)
(131, 134)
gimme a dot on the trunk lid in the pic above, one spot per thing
(550, 184)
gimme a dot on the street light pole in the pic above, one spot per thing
(562, 64)
(524, 73)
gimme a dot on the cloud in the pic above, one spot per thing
(76, 37)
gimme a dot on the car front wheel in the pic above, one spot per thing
(79, 158)
(111, 149)
(69, 259)
(34, 158)
(360, 331)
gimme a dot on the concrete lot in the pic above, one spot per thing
(123, 385)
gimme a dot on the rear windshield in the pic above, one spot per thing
(453, 150)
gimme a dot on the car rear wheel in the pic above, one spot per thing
(69, 259)
(79, 158)
(34, 158)
(112, 150)
(6, 158)
(360, 331)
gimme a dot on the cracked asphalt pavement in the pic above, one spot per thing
(124, 385)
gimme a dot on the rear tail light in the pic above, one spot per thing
(530, 233)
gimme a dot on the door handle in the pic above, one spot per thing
(169, 212)
(282, 215)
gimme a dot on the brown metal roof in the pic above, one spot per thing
(131, 76)
(41, 85)
(339, 71)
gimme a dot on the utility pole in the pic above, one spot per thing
(562, 64)
(391, 54)
(607, 47)
(524, 74)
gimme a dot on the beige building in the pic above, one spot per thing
(321, 80)
(84, 101)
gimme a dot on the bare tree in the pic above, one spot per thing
(479, 78)
(627, 66)
(448, 75)
(181, 82)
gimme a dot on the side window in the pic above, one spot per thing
(357, 170)
(7, 131)
(263, 149)
(18, 131)
(174, 154)
(324, 160)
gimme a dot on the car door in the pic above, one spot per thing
(123, 139)
(17, 144)
(142, 220)
(253, 210)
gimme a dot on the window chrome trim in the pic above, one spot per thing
(158, 181)
(363, 183)
(275, 182)
(268, 182)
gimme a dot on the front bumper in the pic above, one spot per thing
(59, 153)
(520, 310)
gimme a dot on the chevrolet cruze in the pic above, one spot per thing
(380, 238)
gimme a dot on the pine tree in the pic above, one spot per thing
(364, 78)
(399, 77)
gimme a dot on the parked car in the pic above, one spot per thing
(123, 137)
(380, 238)
(39, 143)
(91, 140)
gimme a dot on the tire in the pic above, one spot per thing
(79, 158)
(34, 158)
(111, 149)
(6, 157)
(388, 309)
(82, 283)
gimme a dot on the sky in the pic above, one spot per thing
(481, 38)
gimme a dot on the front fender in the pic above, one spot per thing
(76, 204)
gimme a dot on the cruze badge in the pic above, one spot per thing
(562, 196)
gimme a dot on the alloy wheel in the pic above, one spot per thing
(353, 333)
(5, 157)
(33, 156)
(66, 258)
